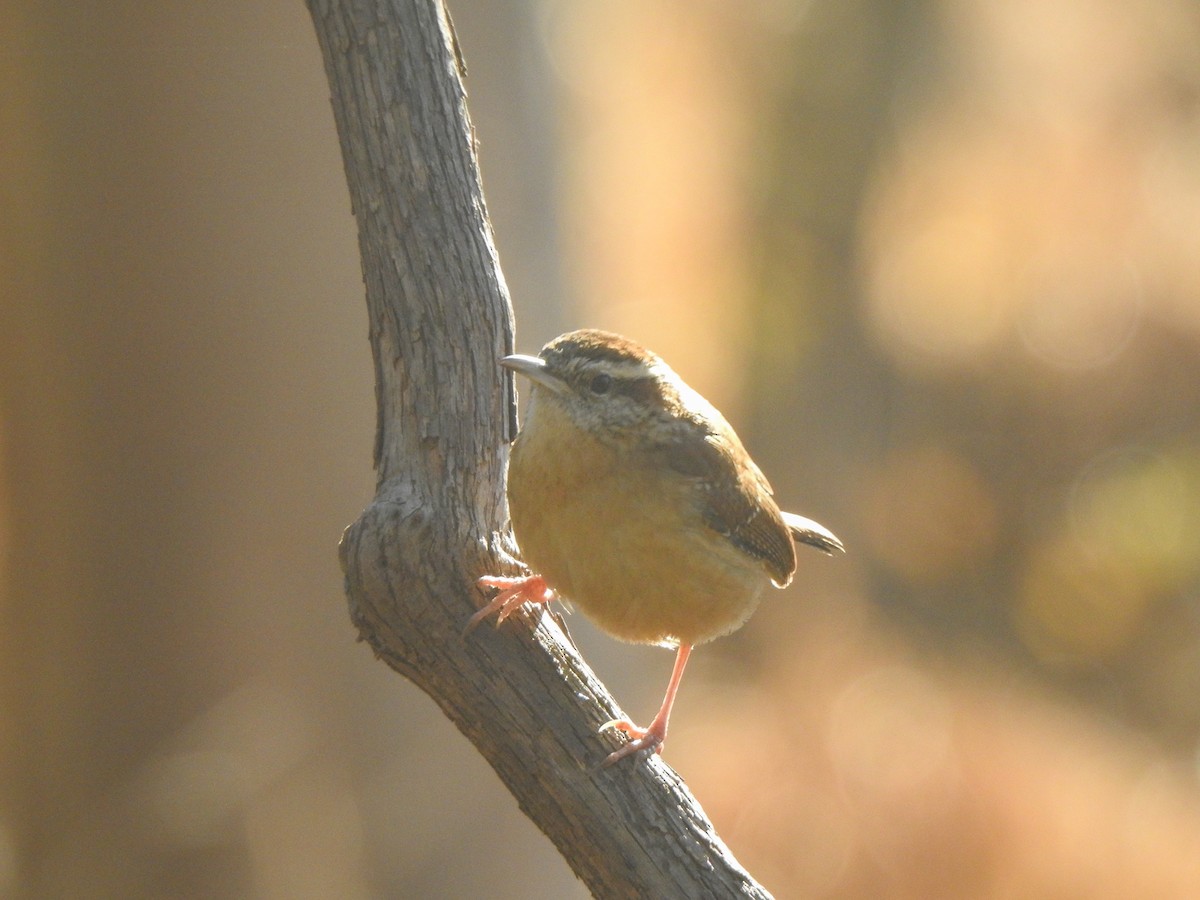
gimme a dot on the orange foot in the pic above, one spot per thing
(649, 738)
(513, 592)
(639, 739)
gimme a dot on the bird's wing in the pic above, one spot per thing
(734, 501)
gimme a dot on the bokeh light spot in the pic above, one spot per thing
(927, 297)
(929, 514)
(890, 732)
(1076, 610)
(1141, 507)
(1079, 315)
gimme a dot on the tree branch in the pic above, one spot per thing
(439, 320)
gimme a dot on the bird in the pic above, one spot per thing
(633, 498)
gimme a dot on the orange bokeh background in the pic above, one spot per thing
(937, 262)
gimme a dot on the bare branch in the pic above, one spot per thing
(439, 320)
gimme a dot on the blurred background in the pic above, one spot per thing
(938, 262)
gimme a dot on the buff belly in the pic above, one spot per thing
(625, 543)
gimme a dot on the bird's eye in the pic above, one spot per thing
(601, 383)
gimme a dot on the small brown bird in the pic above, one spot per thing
(632, 497)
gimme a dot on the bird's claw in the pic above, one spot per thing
(640, 739)
(512, 592)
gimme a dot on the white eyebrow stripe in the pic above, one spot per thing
(630, 369)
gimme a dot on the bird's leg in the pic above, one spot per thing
(512, 593)
(653, 736)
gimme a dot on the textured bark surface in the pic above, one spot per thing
(439, 320)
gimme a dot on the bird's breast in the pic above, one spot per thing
(622, 538)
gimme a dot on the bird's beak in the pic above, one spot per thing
(534, 368)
